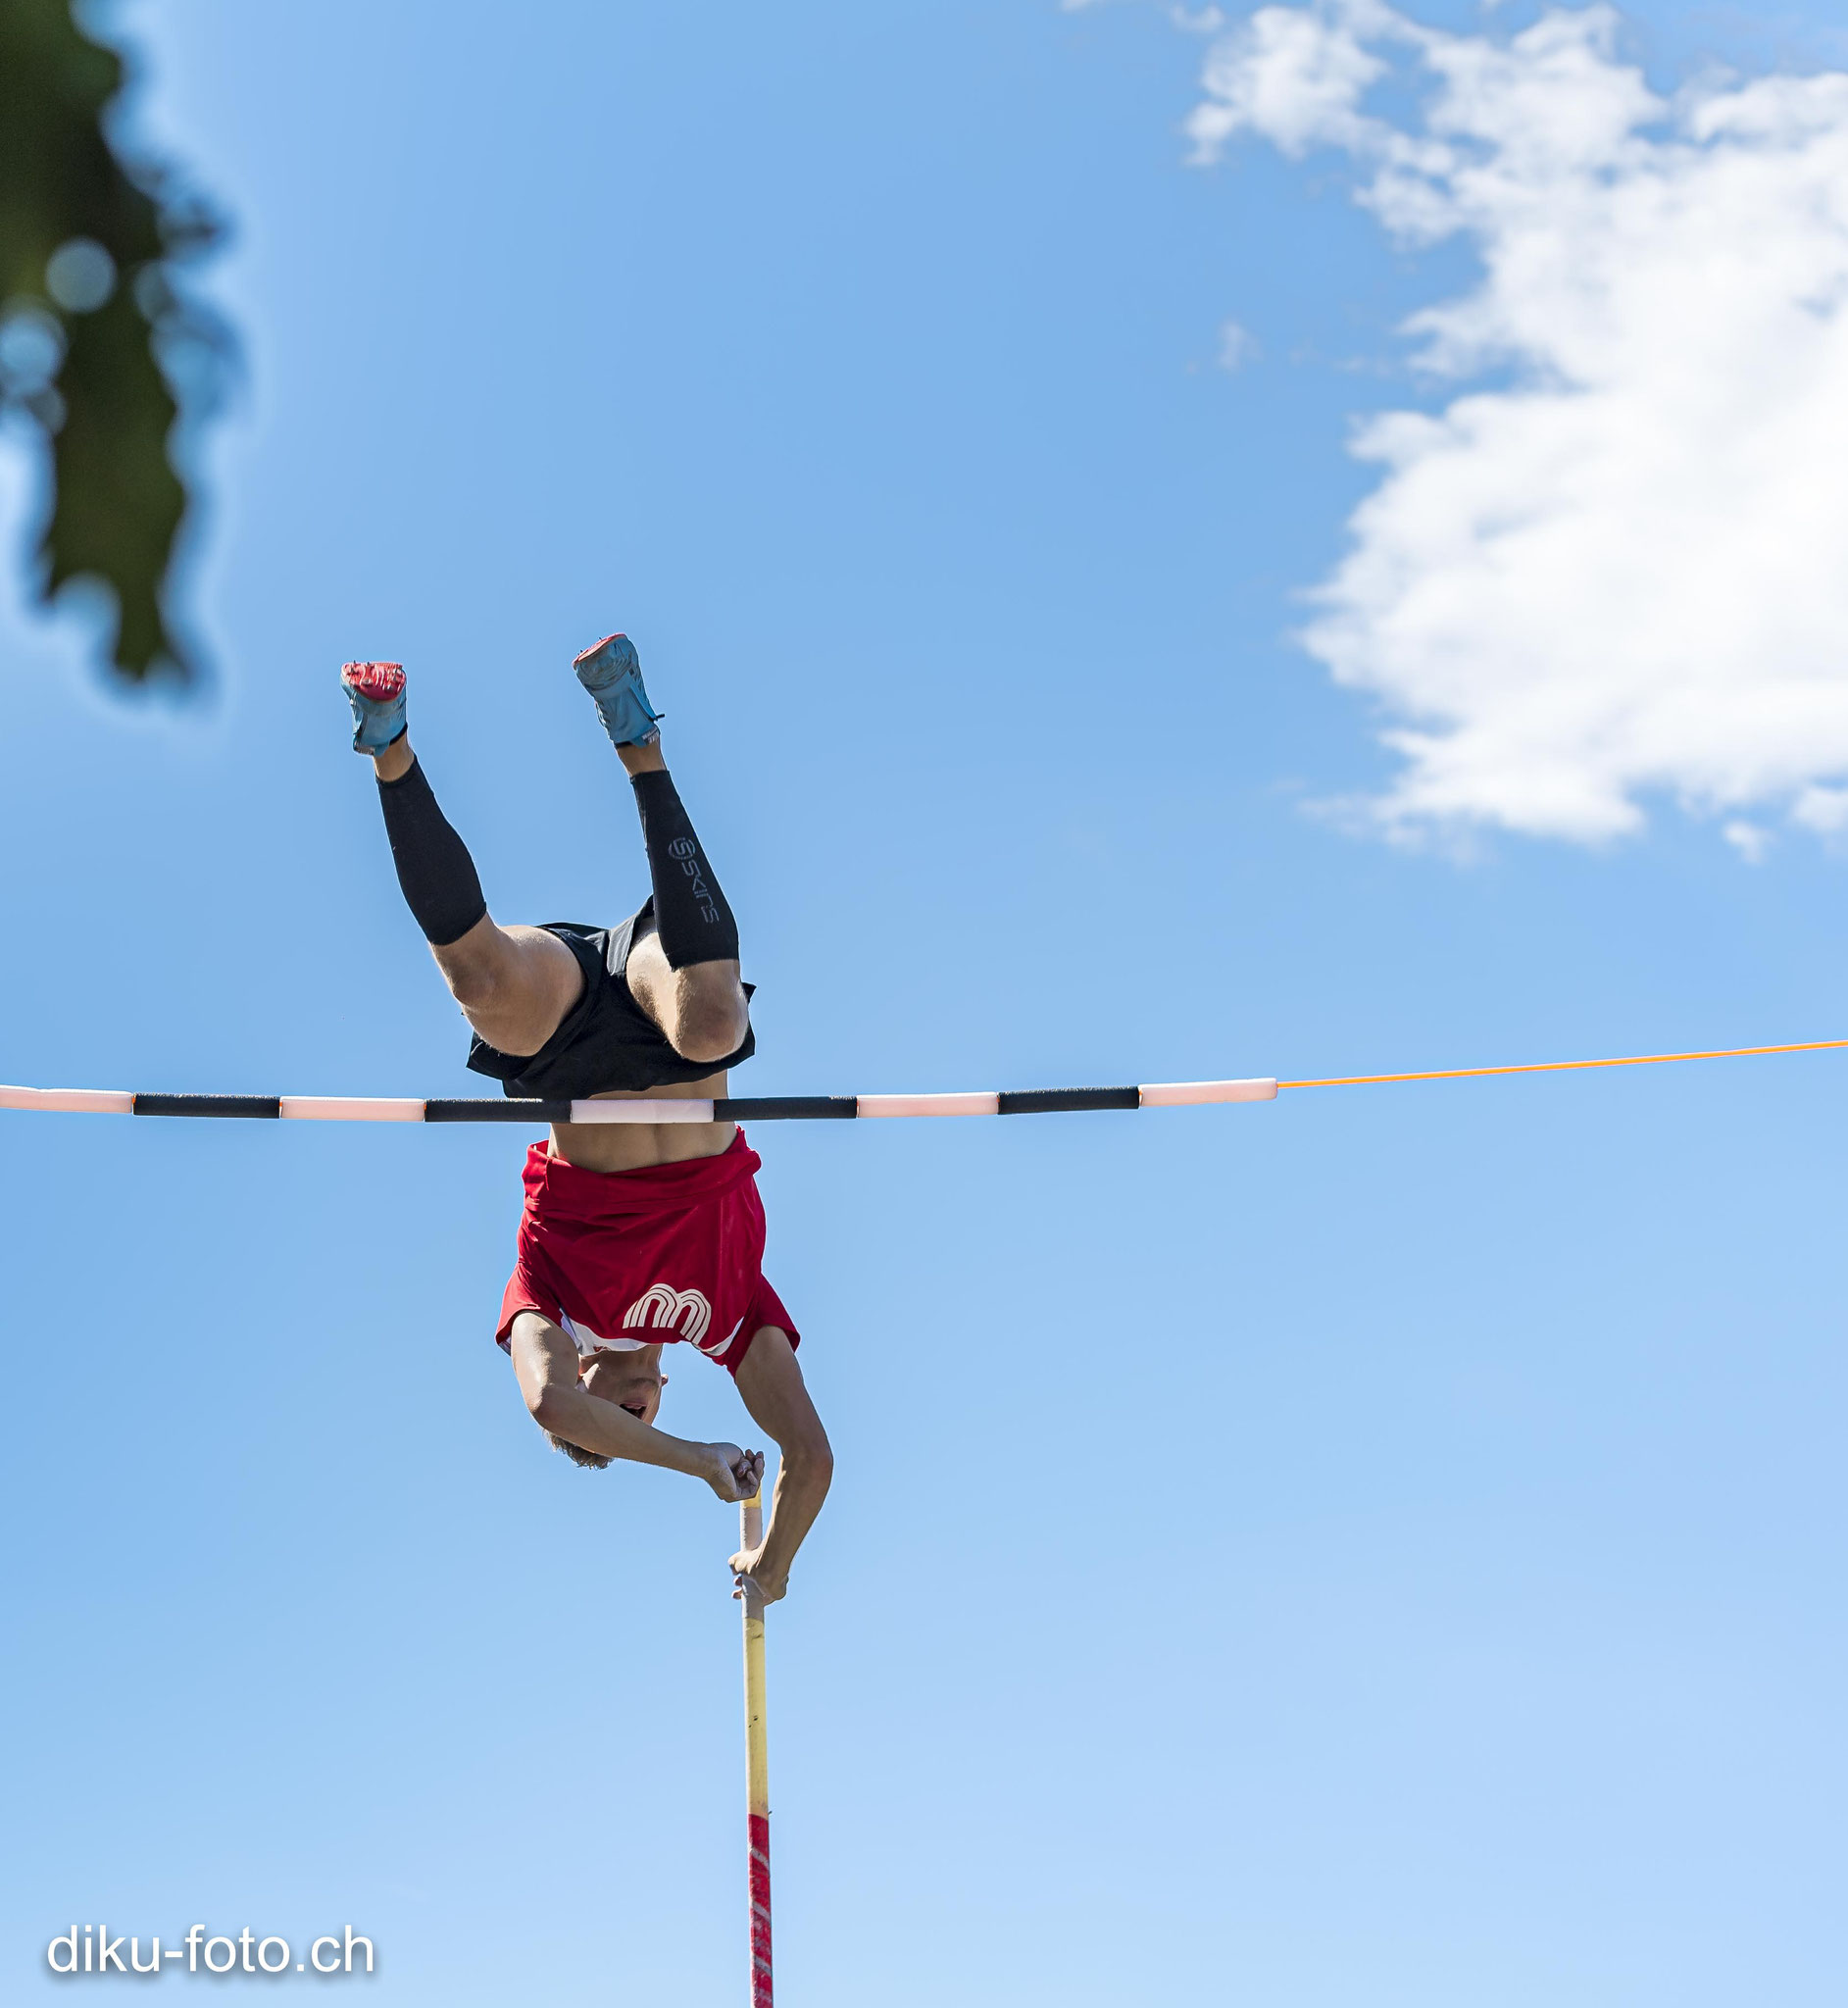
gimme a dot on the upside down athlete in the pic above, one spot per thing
(635, 1235)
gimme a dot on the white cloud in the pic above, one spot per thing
(1237, 346)
(1748, 839)
(1294, 75)
(1622, 569)
(1823, 810)
(1207, 21)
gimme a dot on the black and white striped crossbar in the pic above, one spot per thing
(801, 1108)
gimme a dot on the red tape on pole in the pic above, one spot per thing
(759, 1911)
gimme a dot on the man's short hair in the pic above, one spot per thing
(588, 1460)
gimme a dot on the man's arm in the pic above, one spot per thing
(770, 1387)
(546, 1364)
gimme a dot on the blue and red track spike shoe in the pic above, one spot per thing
(375, 690)
(612, 672)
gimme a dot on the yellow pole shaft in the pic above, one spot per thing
(756, 1731)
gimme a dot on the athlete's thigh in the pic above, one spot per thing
(651, 983)
(700, 1010)
(515, 985)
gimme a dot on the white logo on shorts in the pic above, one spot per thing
(661, 1307)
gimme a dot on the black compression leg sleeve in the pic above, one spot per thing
(691, 917)
(434, 867)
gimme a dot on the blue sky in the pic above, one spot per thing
(1372, 1548)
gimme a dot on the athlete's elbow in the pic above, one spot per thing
(558, 1415)
(810, 1460)
(549, 1405)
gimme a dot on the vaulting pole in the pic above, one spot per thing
(756, 1766)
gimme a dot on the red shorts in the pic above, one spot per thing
(663, 1254)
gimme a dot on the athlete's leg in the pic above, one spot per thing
(513, 983)
(685, 975)
(700, 1006)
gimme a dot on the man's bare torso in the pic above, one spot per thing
(630, 1146)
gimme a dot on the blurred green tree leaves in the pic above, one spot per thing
(101, 350)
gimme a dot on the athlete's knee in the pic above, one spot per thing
(710, 1012)
(493, 999)
(475, 966)
(475, 986)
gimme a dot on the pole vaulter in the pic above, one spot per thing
(642, 1227)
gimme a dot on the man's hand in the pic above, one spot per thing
(747, 1574)
(731, 1473)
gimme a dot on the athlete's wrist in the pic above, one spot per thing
(693, 1460)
